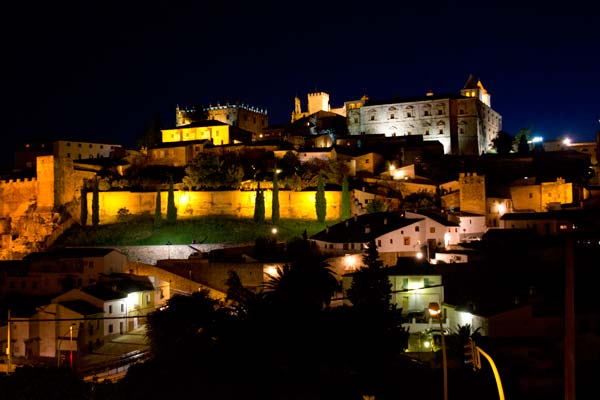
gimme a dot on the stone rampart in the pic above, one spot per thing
(233, 203)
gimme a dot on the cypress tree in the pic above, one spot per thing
(95, 204)
(275, 201)
(171, 209)
(84, 206)
(259, 206)
(320, 201)
(157, 211)
(345, 199)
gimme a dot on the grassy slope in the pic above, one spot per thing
(203, 230)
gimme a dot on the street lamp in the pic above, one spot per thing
(435, 310)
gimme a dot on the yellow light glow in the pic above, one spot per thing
(184, 199)
(350, 262)
(274, 231)
(419, 255)
(567, 142)
(501, 209)
(132, 301)
(399, 174)
(271, 270)
(426, 344)
(392, 168)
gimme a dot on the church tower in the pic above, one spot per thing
(474, 88)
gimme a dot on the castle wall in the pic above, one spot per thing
(16, 196)
(231, 203)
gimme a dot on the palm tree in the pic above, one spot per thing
(305, 286)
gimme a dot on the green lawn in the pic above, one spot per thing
(140, 231)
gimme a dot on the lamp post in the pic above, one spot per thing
(435, 310)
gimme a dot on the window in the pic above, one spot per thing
(426, 113)
(122, 307)
(404, 283)
(441, 132)
(425, 281)
(407, 240)
(378, 243)
(78, 144)
(391, 241)
(432, 229)
(440, 112)
(68, 155)
(531, 195)
(110, 309)
(391, 116)
(417, 228)
(121, 328)
(461, 130)
(90, 146)
(110, 328)
(461, 111)
(101, 146)
(68, 144)
(427, 132)
(409, 115)
(356, 120)
(372, 117)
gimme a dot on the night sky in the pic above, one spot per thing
(98, 71)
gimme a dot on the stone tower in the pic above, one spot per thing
(472, 193)
(318, 101)
(474, 88)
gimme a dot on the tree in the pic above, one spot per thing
(157, 211)
(259, 206)
(376, 205)
(420, 200)
(95, 203)
(303, 287)
(320, 201)
(275, 201)
(210, 171)
(346, 206)
(503, 143)
(151, 135)
(84, 206)
(523, 146)
(171, 209)
(370, 290)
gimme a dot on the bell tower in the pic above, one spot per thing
(474, 88)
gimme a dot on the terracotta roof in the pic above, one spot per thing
(354, 230)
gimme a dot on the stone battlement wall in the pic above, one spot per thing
(231, 203)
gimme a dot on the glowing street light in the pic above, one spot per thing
(435, 310)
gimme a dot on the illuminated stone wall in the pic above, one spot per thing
(230, 203)
(538, 197)
(16, 196)
(472, 193)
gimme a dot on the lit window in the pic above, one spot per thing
(432, 229)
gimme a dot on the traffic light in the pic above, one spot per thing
(472, 355)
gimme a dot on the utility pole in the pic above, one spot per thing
(8, 346)
(569, 344)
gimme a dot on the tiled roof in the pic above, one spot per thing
(71, 252)
(353, 230)
(82, 307)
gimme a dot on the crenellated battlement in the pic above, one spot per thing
(18, 181)
(236, 106)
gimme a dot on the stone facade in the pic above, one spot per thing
(542, 197)
(243, 116)
(472, 193)
(465, 124)
(318, 101)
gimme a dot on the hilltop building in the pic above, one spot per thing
(242, 116)
(318, 101)
(464, 123)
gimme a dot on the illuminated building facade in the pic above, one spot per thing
(243, 116)
(215, 131)
(318, 101)
(464, 123)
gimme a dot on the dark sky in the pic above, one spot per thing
(98, 71)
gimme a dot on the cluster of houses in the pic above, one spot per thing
(73, 301)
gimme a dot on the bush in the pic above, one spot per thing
(123, 214)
